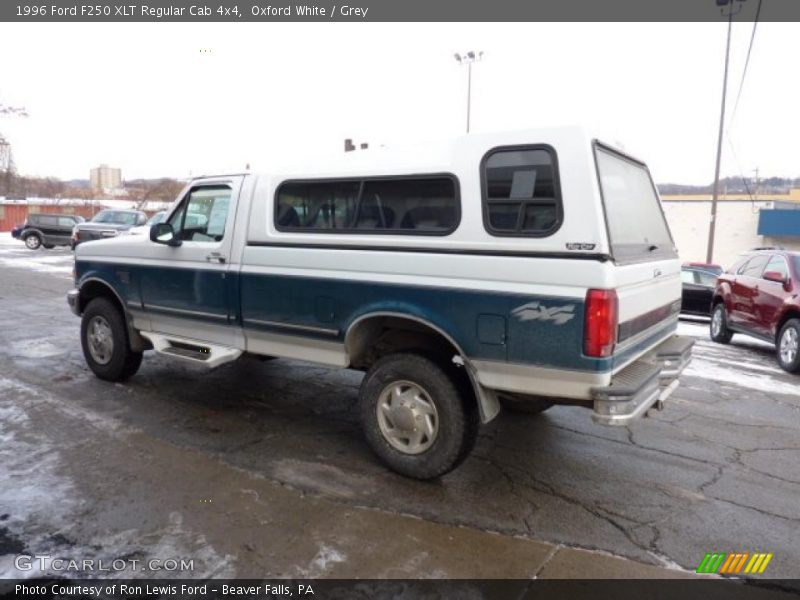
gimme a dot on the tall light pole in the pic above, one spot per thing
(712, 225)
(467, 59)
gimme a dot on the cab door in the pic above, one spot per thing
(64, 231)
(188, 287)
(770, 297)
(744, 290)
(48, 225)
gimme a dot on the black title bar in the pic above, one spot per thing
(397, 10)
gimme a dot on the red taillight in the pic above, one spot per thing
(600, 326)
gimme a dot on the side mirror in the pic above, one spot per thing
(162, 233)
(774, 276)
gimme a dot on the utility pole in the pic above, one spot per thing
(715, 194)
(467, 59)
(755, 191)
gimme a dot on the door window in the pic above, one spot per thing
(705, 278)
(755, 266)
(778, 264)
(203, 214)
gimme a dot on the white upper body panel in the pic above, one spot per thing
(582, 208)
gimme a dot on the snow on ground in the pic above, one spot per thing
(13, 253)
(745, 362)
(47, 505)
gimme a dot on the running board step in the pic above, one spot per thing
(210, 355)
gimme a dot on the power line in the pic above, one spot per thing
(741, 173)
(747, 61)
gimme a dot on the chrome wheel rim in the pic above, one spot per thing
(100, 340)
(716, 322)
(407, 417)
(789, 344)
(32, 242)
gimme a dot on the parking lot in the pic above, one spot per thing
(259, 468)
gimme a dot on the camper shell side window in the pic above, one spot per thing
(521, 191)
(405, 205)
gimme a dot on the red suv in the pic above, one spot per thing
(758, 296)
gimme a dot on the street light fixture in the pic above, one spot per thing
(467, 59)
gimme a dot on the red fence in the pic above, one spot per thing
(15, 214)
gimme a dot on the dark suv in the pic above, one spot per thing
(758, 296)
(46, 230)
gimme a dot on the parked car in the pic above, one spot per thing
(533, 265)
(145, 229)
(698, 291)
(107, 223)
(758, 296)
(46, 230)
(711, 267)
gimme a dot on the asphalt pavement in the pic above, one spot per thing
(259, 468)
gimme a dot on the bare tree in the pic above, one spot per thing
(7, 168)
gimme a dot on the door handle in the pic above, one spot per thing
(216, 257)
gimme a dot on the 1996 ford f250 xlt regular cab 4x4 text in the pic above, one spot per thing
(529, 268)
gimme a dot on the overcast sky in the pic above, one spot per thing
(144, 97)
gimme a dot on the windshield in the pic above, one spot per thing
(115, 217)
(636, 225)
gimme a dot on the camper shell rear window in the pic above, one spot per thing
(637, 228)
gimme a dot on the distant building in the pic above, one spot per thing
(743, 222)
(105, 178)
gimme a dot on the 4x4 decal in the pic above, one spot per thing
(534, 311)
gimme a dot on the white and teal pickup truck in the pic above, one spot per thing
(523, 269)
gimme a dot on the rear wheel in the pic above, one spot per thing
(33, 241)
(104, 339)
(416, 416)
(788, 346)
(719, 325)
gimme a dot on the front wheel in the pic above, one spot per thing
(416, 417)
(787, 346)
(104, 339)
(719, 325)
(33, 241)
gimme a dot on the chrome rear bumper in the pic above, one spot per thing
(644, 383)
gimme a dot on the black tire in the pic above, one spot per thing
(32, 241)
(789, 362)
(527, 406)
(722, 335)
(122, 362)
(456, 415)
